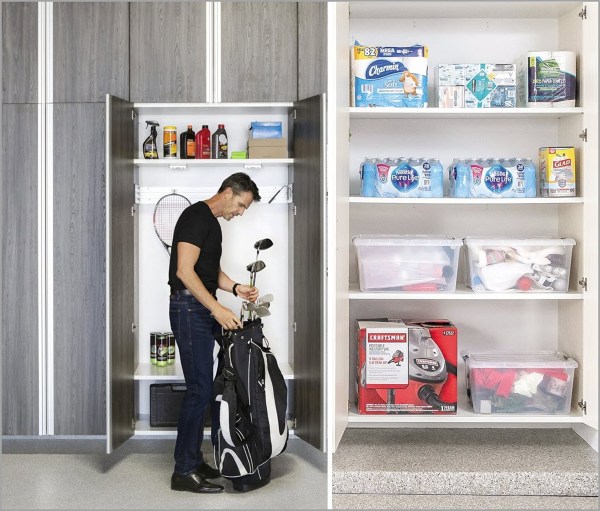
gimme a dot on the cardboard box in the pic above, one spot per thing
(394, 378)
(267, 148)
(476, 85)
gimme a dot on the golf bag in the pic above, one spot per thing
(253, 396)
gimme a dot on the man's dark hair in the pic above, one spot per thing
(240, 183)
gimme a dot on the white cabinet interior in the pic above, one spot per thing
(199, 180)
(498, 32)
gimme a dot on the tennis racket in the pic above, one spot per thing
(166, 214)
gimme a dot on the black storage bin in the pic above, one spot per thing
(165, 403)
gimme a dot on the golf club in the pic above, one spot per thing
(254, 268)
(263, 244)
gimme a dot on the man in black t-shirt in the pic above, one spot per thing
(196, 317)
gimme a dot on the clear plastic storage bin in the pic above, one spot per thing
(515, 382)
(407, 263)
(519, 264)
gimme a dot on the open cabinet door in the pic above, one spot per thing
(120, 195)
(309, 270)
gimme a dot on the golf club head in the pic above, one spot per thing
(265, 299)
(256, 266)
(261, 311)
(263, 244)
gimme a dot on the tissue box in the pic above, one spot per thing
(407, 263)
(520, 382)
(476, 85)
(267, 148)
(540, 264)
(260, 129)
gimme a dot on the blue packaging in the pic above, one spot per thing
(266, 129)
(368, 174)
(394, 76)
(493, 178)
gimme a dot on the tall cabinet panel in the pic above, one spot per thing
(19, 52)
(20, 361)
(79, 269)
(168, 52)
(91, 51)
(312, 48)
(258, 51)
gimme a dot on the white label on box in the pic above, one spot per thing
(387, 357)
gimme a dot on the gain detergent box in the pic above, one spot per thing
(390, 76)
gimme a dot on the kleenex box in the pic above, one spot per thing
(476, 85)
(265, 130)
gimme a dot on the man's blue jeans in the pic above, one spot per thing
(195, 332)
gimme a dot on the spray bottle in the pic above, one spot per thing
(150, 150)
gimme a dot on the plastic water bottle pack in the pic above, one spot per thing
(402, 177)
(492, 178)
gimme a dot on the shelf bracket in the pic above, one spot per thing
(583, 135)
(583, 13)
(583, 405)
(583, 283)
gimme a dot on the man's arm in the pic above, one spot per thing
(187, 256)
(243, 291)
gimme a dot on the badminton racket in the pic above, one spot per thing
(166, 214)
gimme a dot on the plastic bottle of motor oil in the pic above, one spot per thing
(187, 143)
(219, 143)
(203, 143)
(149, 148)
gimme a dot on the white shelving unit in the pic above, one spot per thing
(467, 32)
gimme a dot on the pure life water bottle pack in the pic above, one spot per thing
(392, 76)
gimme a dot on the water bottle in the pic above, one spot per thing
(530, 178)
(460, 173)
(369, 178)
(437, 178)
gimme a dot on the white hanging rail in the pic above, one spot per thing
(151, 195)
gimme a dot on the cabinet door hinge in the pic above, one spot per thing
(583, 13)
(294, 326)
(583, 283)
(583, 405)
(294, 210)
(133, 210)
(291, 423)
(293, 114)
(133, 327)
(133, 115)
(583, 135)
(133, 423)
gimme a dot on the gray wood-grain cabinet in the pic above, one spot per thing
(19, 52)
(168, 52)
(259, 47)
(91, 50)
(312, 49)
(79, 269)
(19, 190)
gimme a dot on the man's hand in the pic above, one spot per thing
(247, 292)
(226, 318)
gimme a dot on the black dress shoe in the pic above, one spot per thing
(207, 472)
(194, 483)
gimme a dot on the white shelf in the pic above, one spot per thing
(464, 415)
(461, 202)
(149, 372)
(190, 109)
(179, 164)
(445, 9)
(143, 428)
(462, 293)
(462, 113)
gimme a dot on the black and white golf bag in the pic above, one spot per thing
(253, 395)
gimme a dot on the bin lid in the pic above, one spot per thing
(381, 240)
(531, 241)
(516, 359)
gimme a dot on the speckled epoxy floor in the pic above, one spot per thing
(486, 461)
(137, 476)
